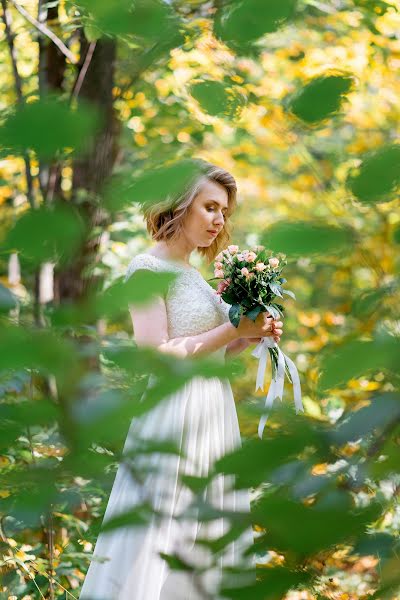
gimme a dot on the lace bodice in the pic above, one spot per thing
(192, 305)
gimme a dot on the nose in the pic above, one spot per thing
(219, 220)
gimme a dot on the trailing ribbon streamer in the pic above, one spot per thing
(261, 352)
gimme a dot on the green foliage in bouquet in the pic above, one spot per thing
(251, 281)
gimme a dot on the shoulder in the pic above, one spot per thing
(145, 261)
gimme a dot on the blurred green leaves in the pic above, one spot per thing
(50, 233)
(148, 21)
(38, 349)
(151, 186)
(239, 23)
(141, 287)
(219, 99)
(302, 238)
(355, 358)
(49, 126)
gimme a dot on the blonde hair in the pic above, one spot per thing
(164, 220)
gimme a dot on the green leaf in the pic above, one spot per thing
(300, 238)
(254, 312)
(148, 20)
(234, 314)
(320, 98)
(140, 289)
(155, 185)
(276, 289)
(239, 23)
(289, 293)
(377, 179)
(7, 299)
(138, 516)
(383, 410)
(218, 99)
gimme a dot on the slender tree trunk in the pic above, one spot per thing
(92, 170)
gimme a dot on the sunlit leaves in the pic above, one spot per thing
(52, 232)
(49, 126)
(378, 177)
(356, 358)
(218, 99)
(239, 23)
(308, 238)
(320, 98)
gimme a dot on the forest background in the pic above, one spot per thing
(103, 105)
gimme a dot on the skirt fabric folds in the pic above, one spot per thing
(201, 419)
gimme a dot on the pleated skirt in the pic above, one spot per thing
(201, 419)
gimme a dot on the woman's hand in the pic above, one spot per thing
(277, 330)
(263, 326)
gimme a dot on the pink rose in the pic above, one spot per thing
(219, 257)
(233, 249)
(244, 271)
(274, 262)
(218, 265)
(251, 256)
(218, 273)
(240, 256)
(260, 266)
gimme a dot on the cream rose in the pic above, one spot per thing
(233, 249)
(274, 262)
(244, 271)
(260, 266)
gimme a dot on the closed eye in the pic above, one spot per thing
(212, 208)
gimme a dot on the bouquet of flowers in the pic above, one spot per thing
(251, 282)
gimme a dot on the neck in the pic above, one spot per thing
(179, 251)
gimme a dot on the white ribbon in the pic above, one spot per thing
(276, 388)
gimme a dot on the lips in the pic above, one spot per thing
(213, 232)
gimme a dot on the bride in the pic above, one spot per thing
(190, 320)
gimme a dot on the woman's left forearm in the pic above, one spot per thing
(237, 346)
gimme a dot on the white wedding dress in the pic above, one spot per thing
(201, 418)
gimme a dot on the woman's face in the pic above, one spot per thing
(206, 216)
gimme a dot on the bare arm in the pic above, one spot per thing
(151, 329)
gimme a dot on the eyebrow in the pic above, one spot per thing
(218, 204)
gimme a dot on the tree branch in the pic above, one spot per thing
(47, 32)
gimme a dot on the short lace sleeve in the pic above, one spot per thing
(142, 261)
